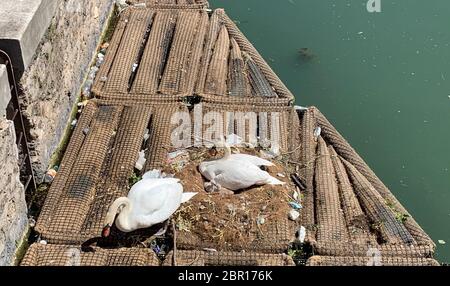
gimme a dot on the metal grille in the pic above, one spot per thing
(66, 255)
(208, 258)
(366, 261)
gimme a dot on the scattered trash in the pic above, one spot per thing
(178, 159)
(49, 176)
(295, 196)
(31, 222)
(161, 232)
(298, 182)
(103, 78)
(86, 131)
(44, 242)
(209, 249)
(141, 161)
(210, 187)
(442, 242)
(174, 155)
(300, 108)
(104, 46)
(261, 220)
(74, 123)
(293, 215)
(134, 67)
(360, 33)
(100, 60)
(317, 132)
(281, 175)
(265, 154)
(302, 234)
(140, 5)
(295, 205)
(146, 135)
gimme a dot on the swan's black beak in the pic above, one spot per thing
(106, 231)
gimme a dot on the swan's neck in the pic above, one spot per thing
(123, 207)
(227, 152)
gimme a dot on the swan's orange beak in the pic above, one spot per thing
(106, 231)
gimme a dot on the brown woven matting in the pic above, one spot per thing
(257, 125)
(343, 148)
(65, 255)
(99, 160)
(172, 4)
(343, 213)
(210, 258)
(167, 55)
(368, 261)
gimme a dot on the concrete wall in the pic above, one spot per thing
(5, 93)
(13, 209)
(22, 25)
(52, 81)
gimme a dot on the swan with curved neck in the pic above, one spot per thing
(237, 171)
(149, 202)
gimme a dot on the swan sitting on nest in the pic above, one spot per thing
(150, 201)
(237, 171)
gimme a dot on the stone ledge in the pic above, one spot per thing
(22, 25)
(5, 93)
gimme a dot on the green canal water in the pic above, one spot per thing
(383, 79)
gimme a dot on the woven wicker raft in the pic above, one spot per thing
(166, 55)
(347, 210)
(208, 258)
(253, 220)
(171, 4)
(99, 161)
(366, 261)
(65, 255)
(269, 127)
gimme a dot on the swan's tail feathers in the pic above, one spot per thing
(274, 181)
(186, 197)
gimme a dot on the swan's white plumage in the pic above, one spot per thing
(238, 171)
(151, 201)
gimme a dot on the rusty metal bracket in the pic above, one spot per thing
(14, 114)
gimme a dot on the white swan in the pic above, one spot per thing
(149, 202)
(237, 171)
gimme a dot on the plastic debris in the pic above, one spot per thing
(295, 196)
(146, 135)
(74, 123)
(141, 161)
(50, 176)
(442, 242)
(302, 234)
(295, 205)
(134, 67)
(260, 220)
(317, 132)
(31, 222)
(140, 5)
(293, 215)
(44, 242)
(209, 249)
(300, 108)
(267, 154)
(86, 131)
(281, 175)
(298, 182)
(103, 78)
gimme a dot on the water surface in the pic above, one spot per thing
(383, 80)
